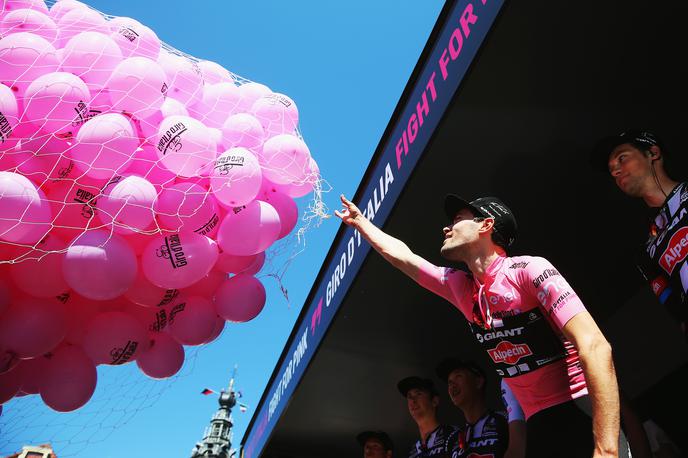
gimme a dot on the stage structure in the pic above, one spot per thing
(507, 99)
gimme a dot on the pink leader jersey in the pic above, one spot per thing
(517, 316)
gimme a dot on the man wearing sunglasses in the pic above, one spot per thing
(528, 319)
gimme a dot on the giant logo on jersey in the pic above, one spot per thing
(509, 353)
(676, 251)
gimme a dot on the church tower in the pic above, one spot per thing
(217, 438)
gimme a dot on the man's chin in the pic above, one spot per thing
(449, 252)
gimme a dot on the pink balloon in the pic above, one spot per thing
(184, 145)
(137, 86)
(306, 185)
(206, 286)
(7, 6)
(92, 56)
(74, 207)
(115, 338)
(134, 38)
(104, 146)
(240, 298)
(250, 230)
(39, 272)
(256, 265)
(233, 264)
(148, 127)
(163, 359)
(24, 211)
(63, 7)
(249, 93)
(286, 209)
(10, 384)
(52, 101)
(243, 129)
(236, 177)
(80, 311)
(28, 20)
(285, 159)
(45, 170)
(214, 73)
(277, 114)
(99, 265)
(79, 20)
(24, 57)
(187, 207)
(69, 380)
(5, 292)
(147, 165)
(154, 319)
(146, 294)
(127, 202)
(9, 116)
(137, 241)
(217, 331)
(32, 326)
(194, 323)
(32, 371)
(184, 78)
(219, 101)
(178, 260)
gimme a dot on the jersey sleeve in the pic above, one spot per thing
(436, 279)
(513, 408)
(554, 294)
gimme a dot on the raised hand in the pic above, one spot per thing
(349, 214)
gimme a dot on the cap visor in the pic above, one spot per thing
(454, 204)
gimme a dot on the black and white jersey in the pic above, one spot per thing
(436, 444)
(487, 438)
(663, 260)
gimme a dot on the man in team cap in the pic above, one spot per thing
(422, 401)
(527, 318)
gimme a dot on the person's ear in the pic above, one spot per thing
(654, 153)
(488, 223)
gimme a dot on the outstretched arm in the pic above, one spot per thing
(596, 358)
(393, 250)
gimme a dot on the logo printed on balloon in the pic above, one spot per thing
(83, 113)
(172, 250)
(5, 128)
(170, 139)
(64, 172)
(128, 33)
(123, 355)
(89, 200)
(160, 321)
(176, 309)
(170, 295)
(208, 227)
(226, 163)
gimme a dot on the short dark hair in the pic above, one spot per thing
(497, 239)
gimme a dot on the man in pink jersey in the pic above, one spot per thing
(528, 319)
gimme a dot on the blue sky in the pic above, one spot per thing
(345, 65)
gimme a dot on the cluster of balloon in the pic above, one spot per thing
(139, 191)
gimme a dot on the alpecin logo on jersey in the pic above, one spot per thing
(676, 251)
(509, 353)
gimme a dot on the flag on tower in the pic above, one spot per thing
(207, 391)
(243, 407)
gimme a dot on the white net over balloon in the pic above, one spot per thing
(145, 195)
